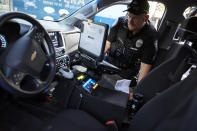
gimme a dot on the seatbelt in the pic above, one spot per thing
(188, 63)
(193, 62)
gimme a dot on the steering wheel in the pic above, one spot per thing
(27, 65)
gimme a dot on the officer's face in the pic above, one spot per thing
(136, 22)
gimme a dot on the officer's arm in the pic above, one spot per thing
(107, 46)
(144, 69)
(112, 35)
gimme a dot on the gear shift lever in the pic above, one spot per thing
(66, 72)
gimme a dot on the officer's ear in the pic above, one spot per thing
(146, 18)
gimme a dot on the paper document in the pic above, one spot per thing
(123, 85)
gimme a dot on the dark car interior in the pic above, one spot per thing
(43, 88)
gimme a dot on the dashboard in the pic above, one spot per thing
(56, 39)
(65, 40)
(9, 32)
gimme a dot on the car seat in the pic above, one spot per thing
(161, 77)
(170, 71)
(172, 110)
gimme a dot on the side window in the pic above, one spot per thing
(156, 13)
(4, 6)
(110, 14)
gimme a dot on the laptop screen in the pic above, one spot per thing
(93, 39)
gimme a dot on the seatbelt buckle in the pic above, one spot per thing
(111, 125)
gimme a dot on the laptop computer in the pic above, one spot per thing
(92, 43)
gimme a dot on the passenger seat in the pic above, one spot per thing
(171, 71)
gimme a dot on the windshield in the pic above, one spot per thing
(53, 10)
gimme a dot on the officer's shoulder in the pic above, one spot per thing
(150, 30)
(122, 20)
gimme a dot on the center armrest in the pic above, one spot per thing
(112, 96)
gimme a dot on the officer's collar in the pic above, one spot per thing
(142, 30)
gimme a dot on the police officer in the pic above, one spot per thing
(131, 42)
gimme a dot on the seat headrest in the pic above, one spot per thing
(188, 29)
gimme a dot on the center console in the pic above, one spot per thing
(84, 93)
(103, 103)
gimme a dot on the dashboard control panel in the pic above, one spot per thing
(59, 52)
(62, 62)
(56, 38)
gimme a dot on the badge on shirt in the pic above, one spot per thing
(139, 43)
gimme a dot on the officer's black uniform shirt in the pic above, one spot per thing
(140, 47)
